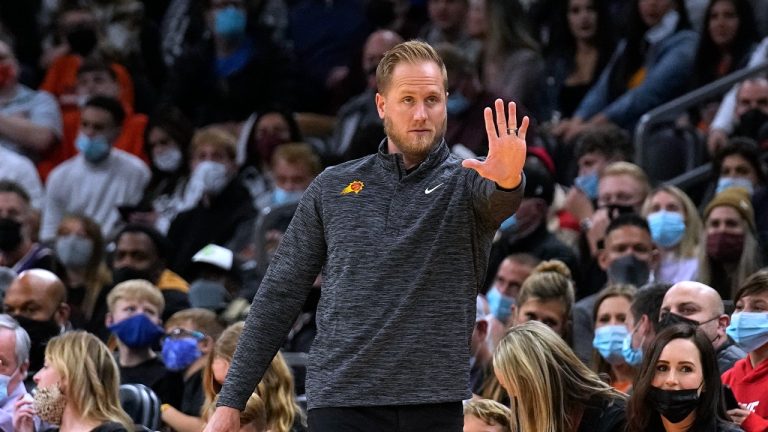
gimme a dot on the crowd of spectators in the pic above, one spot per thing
(152, 153)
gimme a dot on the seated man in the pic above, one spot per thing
(14, 364)
(645, 308)
(701, 306)
(502, 295)
(100, 178)
(293, 167)
(135, 307)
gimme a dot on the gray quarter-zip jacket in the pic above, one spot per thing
(403, 256)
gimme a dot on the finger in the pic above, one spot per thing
(512, 116)
(523, 131)
(501, 121)
(471, 163)
(490, 128)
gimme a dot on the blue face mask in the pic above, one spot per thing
(749, 330)
(509, 224)
(4, 381)
(457, 103)
(229, 22)
(587, 184)
(179, 353)
(94, 149)
(282, 196)
(728, 182)
(499, 304)
(667, 228)
(609, 341)
(137, 331)
(633, 356)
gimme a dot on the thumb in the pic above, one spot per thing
(471, 163)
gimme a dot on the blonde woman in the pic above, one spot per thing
(550, 389)
(675, 229)
(77, 388)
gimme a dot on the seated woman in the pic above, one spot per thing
(77, 388)
(675, 229)
(552, 389)
(650, 66)
(613, 322)
(678, 386)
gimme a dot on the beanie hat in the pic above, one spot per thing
(736, 198)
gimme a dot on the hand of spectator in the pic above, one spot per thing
(506, 148)
(24, 414)
(738, 415)
(578, 204)
(224, 419)
(715, 140)
(600, 221)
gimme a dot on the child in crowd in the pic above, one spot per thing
(485, 415)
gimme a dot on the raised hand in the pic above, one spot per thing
(506, 147)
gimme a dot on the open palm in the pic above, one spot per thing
(506, 147)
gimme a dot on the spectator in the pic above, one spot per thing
(358, 126)
(189, 339)
(510, 63)
(480, 354)
(645, 314)
(80, 247)
(14, 351)
(732, 252)
(18, 169)
(612, 321)
(18, 250)
(30, 120)
(135, 307)
(221, 210)
(77, 390)
(447, 25)
(752, 110)
(143, 253)
(547, 295)
(581, 45)
(485, 415)
(675, 229)
(747, 377)
(37, 299)
(551, 387)
(503, 293)
(260, 135)
(292, 169)
(100, 178)
(649, 67)
(216, 278)
(678, 386)
(701, 306)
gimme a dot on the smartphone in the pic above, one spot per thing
(730, 399)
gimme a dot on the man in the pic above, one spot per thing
(14, 363)
(292, 168)
(388, 232)
(17, 249)
(629, 257)
(37, 299)
(100, 178)
(502, 295)
(30, 121)
(447, 20)
(645, 309)
(358, 126)
(19, 169)
(701, 306)
(749, 116)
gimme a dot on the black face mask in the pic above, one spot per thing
(615, 210)
(670, 319)
(674, 405)
(10, 235)
(82, 40)
(40, 332)
(750, 123)
(123, 274)
(629, 270)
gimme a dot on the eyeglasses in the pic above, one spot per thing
(179, 333)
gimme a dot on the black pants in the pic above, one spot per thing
(442, 417)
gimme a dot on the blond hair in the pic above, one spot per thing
(91, 376)
(136, 289)
(298, 153)
(490, 412)
(411, 52)
(628, 169)
(255, 413)
(216, 137)
(203, 320)
(550, 280)
(689, 244)
(553, 385)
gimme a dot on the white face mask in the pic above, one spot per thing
(169, 160)
(211, 177)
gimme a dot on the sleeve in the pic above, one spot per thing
(46, 112)
(52, 211)
(297, 261)
(754, 423)
(597, 97)
(667, 77)
(492, 203)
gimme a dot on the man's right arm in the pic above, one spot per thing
(296, 264)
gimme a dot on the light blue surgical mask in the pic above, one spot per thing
(739, 182)
(229, 22)
(587, 184)
(4, 381)
(633, 356)
(457, 103)
(609, 341)
(667, 228)
(509, 224)
(499, 304)
(94, 149)
(749, 330)
(282, 196)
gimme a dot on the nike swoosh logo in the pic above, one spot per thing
(429, 191)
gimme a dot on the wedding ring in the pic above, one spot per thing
(511, 131)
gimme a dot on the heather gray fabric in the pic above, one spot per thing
(402, 261)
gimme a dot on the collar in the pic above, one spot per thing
(394, 162)
(664, 28)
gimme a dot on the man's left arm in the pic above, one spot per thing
(38, 131)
